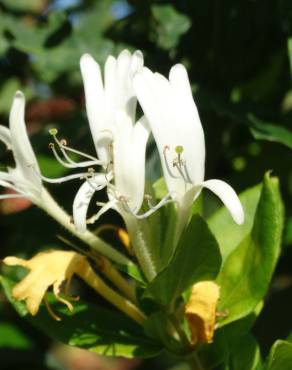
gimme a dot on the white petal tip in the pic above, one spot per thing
(19, 95)
(85, 58)
(125, 52)
(177, 68)
(138, 53)
(239, 218)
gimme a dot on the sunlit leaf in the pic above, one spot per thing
(246, 274)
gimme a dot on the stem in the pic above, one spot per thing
(92, 279)
(55, 211)
(114, 276)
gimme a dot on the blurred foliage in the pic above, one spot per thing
(239, 58)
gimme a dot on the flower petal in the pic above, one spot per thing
(174, 121)
(5, 136)
(228, 197)
(25, 158)
(82, 200)
(129, 164)
(94, 98)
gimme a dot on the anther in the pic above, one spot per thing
(166, 147)
(53, 131)
(51, 145)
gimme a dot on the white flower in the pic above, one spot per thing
(104, 99)
(119, 141)
(25, 177)
(177, 130)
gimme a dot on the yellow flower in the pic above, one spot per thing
(200, 311)
(47, 269)
(52, 268)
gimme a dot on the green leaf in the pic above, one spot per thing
(171, 25)
(245, 354)
(271, 132)
(89, 326)
(247, 272)
(226, 231)
(280, 357)
(13, 337)
(197, 258)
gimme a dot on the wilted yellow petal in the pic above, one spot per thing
(46, 269)
(200, 311)
(52, 268)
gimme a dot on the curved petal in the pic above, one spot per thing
(83, 198)
(25, 158)
(228, 197)
(5, 136)
(175, 122)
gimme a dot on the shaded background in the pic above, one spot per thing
(238, 57)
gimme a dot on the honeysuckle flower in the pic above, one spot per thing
(201, 311)
(53, 268)
(119, 141)
(24, 178)
(177, 130)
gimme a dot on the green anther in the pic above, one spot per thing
(179, 149)
(53, 131)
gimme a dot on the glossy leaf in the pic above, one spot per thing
(197, 258)
(280, 357)
(247, 272)
(245, 354)
(271, 132)
(226, 231)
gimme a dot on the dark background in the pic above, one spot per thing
(238, 55)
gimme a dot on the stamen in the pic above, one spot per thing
(56, 291)
(62, 179)
(148, 198)
(49, 309)
(153, 209)
(70, 163)
(103, 210)
(62, 144)
(165, 149)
